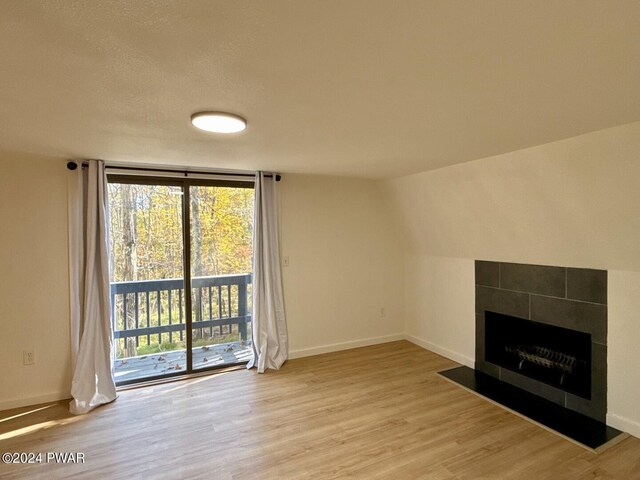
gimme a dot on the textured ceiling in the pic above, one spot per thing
(360, 88)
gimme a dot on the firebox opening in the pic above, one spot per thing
(553, 355)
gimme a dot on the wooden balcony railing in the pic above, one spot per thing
(155, 308)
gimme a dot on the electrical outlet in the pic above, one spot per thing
(382, 312)
(285, 261)
(28, 357)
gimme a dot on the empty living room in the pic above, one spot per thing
(320, 239)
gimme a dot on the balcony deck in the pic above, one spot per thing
(145, 366)
(155, 310)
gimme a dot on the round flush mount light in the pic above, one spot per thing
(218, 122)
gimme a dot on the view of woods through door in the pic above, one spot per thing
(165, 234)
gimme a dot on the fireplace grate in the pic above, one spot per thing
(545, 353)
(544, 357)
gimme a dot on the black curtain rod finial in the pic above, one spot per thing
(72, 165)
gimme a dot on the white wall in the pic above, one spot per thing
(34, 294)
(440, 305)
(345, 264)
(574, 202)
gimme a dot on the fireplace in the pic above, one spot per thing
(553, 355)
(543, 329)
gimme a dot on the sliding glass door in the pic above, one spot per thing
(168, 237)
(147, 279)
(221, 224)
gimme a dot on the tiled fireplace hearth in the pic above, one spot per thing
(548, 332)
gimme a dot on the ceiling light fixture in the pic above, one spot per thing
(218, 122)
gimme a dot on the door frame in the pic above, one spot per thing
(185, 183)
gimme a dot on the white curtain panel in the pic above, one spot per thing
(91, 331)
(269, 326)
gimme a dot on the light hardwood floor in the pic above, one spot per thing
(373, 412)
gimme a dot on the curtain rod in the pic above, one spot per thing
(74, 165)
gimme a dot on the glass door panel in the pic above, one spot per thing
(147, 280)
(221, 221)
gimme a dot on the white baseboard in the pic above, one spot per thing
(445, 352)
(28, 402)
(336, 347)
(625, 424)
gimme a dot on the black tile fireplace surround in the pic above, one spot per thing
(547, 330)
